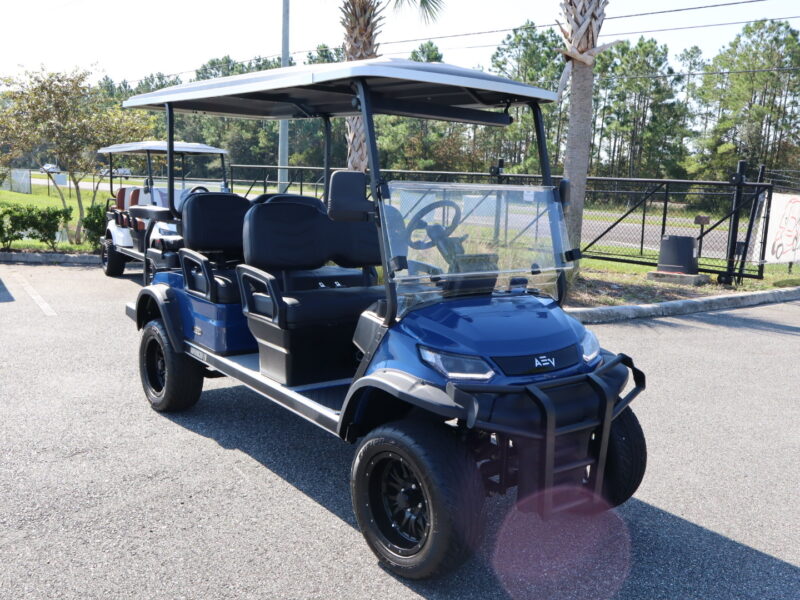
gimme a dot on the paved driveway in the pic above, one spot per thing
(101, 497)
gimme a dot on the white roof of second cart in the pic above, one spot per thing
(327, 89)
(159, 147)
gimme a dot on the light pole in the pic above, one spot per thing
(283, 133)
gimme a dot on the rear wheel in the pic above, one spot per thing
(418, 497)
(112, 261)
(172, 380)
(627, 459)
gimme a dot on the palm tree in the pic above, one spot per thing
(362, 21)
(584, 19)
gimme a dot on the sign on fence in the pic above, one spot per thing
(783, 229)
(17, 180)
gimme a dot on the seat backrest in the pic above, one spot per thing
(120, 198)
(295, 233)
(213, 221)
(133, 198)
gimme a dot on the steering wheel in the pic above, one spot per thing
(418, 222)
(198, 188)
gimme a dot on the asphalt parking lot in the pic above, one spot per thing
(101, 497)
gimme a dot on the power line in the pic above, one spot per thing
(698, 26)
(644, 14)
(633, 32)
(298, 52)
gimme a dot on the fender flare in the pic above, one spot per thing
(118, 235)
(403, 386)
(162, 298)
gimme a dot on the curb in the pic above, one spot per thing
(49, 258)
(611, 314)
(589, 316)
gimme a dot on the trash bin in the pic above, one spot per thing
(678, 254)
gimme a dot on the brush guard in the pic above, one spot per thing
(538, 447)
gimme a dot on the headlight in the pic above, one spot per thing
(457, 366)
(590, 346)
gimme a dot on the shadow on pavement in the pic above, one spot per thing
(635, 552)
(736, 321)
(5, 295)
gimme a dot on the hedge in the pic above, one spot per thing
(19, 222)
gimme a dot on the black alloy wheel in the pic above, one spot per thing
(400, 503)
(172, 381)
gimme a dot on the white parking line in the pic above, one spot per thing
(29, 289)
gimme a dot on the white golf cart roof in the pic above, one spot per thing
(327, 90)
(159, 147)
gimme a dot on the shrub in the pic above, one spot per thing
(94, 224)
(46, 222)
(15, 221)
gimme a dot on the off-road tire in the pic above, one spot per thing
(627, 459)
(172, 381)
(112, 261)
(451, 488)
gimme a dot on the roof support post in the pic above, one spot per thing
(171, 158)
(380, 193)
(149, 181)
(225, 176)
(326, 158)
(110, 174)
(541, 143)
(283, 130)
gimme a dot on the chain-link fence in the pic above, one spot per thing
(16, 180)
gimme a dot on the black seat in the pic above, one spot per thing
(304, 335)
(212, 223)
(212, 233)
(323, 306)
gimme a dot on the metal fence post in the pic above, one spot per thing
(733, 232)
(644, 224)
(664, 217)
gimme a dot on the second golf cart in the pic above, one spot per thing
(130, 231)
(459, 375)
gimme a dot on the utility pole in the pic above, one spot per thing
(283, 135)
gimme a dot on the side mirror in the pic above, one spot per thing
(347, 200)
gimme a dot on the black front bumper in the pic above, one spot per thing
(576, 411)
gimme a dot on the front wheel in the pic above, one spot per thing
(113, 262)
(418, 497)
(627, 459)
(172, 380)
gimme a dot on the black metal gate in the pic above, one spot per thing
(625, 219)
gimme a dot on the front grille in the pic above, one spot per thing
(530, 364)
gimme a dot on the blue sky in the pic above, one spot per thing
(130, 40)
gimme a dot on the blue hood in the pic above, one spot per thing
(493, 326)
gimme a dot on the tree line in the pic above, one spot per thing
(651, 119)
(691, 118)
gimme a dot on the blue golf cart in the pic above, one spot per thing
(418, 320)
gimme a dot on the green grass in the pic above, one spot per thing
(42, 200)
(36, 246)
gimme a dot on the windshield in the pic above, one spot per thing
(448, 239)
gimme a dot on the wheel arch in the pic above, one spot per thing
(388, 395)
(159, 302)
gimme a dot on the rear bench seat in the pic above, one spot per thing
(304, 335)
(212, 233)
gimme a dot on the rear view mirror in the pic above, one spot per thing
(347, 200)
